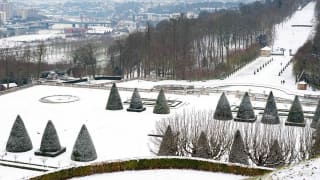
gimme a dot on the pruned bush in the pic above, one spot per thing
(270, 115)
(223, 109)
(50, 143)
(275, 156)
(202, 149)
(238, 152)
(316, 116)
(19, 140)
(168, 146)
(161, 106)
(136, 104)
(114, 100)
(245, 112)
(295, 116)
(83, 149)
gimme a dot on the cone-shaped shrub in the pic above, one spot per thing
(50, 144)
(136, 104)
(202, 148)
(114, 100)
(223, 110)
(275, 157)
(295, 116)
(316, 116)
(168, 146)
(238, 153)
(315, 149)
(270, 115)
(19, 140)
(245, 112)
(83, 149)
(161, 106)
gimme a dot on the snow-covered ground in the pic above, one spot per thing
(122, 134)
(9, 173)
(268, 78)
(20, 40)
(308, 170)
(162, 175)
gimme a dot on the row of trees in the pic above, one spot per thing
(197, 134)
(20, 64)
(198, 48)
(307, 59)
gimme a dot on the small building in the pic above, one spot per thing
(265, 52)
(302, 85)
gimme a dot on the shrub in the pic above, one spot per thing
(223, 110)
(161, 106)
(19, 140)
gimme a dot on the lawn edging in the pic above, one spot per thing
(153, 163)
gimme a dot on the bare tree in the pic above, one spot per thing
(40, 53)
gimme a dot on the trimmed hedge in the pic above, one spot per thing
(148, 164)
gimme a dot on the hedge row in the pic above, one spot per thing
(148, 164)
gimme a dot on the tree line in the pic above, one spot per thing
(307, 59)
(205, 47)
(22, 63)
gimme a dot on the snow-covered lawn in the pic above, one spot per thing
(116, 134)
(162, 175)
(122, 134)
(9, 173)
(306, 170)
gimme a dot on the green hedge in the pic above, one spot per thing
(148, 164)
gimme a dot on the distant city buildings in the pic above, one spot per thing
(6, 8)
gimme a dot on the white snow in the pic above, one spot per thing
(122, 134)
(16, 41)
(306, 170)
(9, 173)
(162, 175)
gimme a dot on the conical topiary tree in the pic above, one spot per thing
(19, 140)
(161, 106)
(136, 104)
(168, 146)
(50, 144)
(238, 153)
(315, 149)
(83, 149)
(270, 115)
(223, 110)
(245, 112)
(202, 148)
(316, 116)
(275, 156)
(295, 116)
(114, 100)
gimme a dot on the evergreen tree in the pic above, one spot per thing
(168, 146)
(245, 112)
(83, 149)
(270, 115)
(238, 153)
(275, 157)
(315, 149)
(161, 106)
(19, 140)
(316, 116)
(50, 143)
(202, 148)
(295, 116)
(114, 100)
(223, 110)
(136, 104)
